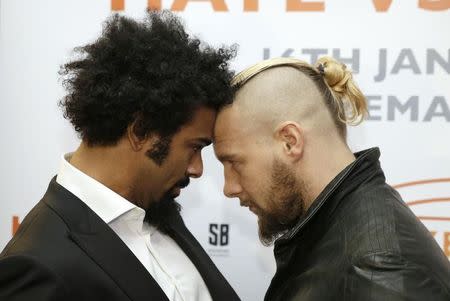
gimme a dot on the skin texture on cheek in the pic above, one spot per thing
(257, 175)
(181, 159)
(170, 173)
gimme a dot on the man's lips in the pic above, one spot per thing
(182, 183)
(176, 190)
(250, 207)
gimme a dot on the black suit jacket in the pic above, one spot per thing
(64, 251)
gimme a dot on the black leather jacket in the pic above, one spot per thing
(359, 241)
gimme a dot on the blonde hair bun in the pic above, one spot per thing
(350, 100)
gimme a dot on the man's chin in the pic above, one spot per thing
(161, 213)
(270, 230)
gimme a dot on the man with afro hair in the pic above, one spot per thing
(143, 98)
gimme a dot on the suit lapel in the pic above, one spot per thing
(103, 245)
(217, 285)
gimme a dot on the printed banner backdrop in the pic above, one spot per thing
(399, 51)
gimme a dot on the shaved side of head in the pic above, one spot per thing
(283, 94)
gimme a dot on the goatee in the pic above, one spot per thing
(163, 213)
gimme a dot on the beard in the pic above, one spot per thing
(286, 204)
(163, 213)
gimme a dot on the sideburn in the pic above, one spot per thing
(160, 150)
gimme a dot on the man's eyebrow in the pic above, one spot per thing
(204, 141)
(225, 157)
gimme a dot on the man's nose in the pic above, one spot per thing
(195, 168)
(231, 188)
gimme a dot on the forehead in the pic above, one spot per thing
(200, 126)
(230, 132)
(228, 124)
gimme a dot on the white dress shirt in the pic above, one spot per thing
(161, 256)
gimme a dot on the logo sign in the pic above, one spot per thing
(430, 201)
(219, 240)
(219, 234)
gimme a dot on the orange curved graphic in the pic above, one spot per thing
(427, 201)
(421, 182)
(434, 218)
(15, 224)
(443, 235)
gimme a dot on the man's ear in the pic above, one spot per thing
(137, 142)
(291, 136)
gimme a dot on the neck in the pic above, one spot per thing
(105, 164)
(325, 163)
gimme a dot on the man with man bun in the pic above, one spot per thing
(340, 232)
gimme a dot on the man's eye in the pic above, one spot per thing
(197, 147)
(235, 164)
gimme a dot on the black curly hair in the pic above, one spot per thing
(150, 72)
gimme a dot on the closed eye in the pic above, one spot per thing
(226, 158)
(197, 148)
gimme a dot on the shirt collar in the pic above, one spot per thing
(107, 204)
